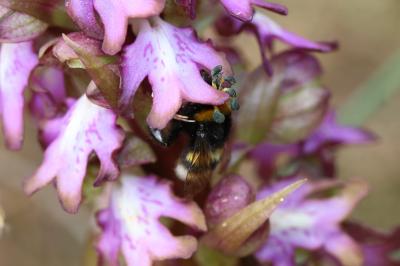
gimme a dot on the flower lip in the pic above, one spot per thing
(266, 30)
(17, 62)
(313, 223)
(66, 158)
(131, 223)
(171, 58)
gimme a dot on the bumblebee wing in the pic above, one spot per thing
(200, 169)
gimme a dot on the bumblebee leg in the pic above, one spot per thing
(168, 135)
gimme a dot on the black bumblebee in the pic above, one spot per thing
(207, 127)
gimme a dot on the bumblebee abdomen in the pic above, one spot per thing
(198, 163)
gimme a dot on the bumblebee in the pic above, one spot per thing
(207, 127)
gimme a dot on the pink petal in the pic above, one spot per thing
(17, 61)
(267, 29)
(115, 14)
(131, 223)
(243, 9)
(82, 12)
(85, 128)
(311, 223)
(345, 249)
(331, 132)
(172, 58)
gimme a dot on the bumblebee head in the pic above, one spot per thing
(217, 113)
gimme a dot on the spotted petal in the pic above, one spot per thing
(313, 223)
(243, 9)
(131, 223)
(17, 61)
(171, 58)
(85, 128)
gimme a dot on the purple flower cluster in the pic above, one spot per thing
(100, 73)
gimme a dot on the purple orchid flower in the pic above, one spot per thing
(266, 30)
(243, 10)
(378, 247)
(114, 15)
(312, 223)
(131, 223)
(330, 133)
(84, 129)
(320, 144)
(82, 84)
(171, 57)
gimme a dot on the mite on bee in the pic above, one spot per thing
(207, 127)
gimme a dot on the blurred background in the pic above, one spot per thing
(39, 232)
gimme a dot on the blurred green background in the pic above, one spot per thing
(39, 233)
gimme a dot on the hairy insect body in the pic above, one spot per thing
(208, 128)
(204, 150)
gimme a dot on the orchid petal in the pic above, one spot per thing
(82, 12)
(86, 128)
(17, 61)
(171, 57)
(243, 9)
(115, 14)
(131, 223)
(379, 248)
(332, 133)
(312, 223)
(2, 222)
(266, 30)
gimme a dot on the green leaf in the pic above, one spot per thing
(374, 94)
(210, 257)
(104, 75)
(231, 234)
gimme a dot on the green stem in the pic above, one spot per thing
(371, 96)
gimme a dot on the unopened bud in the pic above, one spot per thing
(298, 113)
(231, 194)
